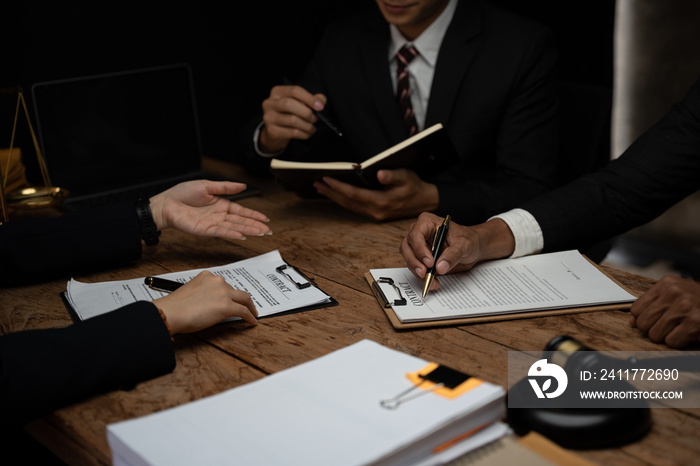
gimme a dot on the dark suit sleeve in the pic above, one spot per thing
(658, 170)
(80, 241)
(43, 370)
(509, 143)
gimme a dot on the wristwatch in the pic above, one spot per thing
(149, 230)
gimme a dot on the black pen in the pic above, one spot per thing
(438, 242)
(161, 284)
(318, 114)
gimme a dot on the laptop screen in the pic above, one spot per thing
(114, 131)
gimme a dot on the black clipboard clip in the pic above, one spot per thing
(400, 301)
(300, 285)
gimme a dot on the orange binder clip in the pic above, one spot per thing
(434, 378)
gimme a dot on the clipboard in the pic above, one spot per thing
(309, 282)
(386, 304)
(292, 276)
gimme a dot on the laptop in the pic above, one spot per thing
(119, 136)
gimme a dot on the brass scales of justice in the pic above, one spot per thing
(30, 197)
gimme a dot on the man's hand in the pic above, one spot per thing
(204, 301)
(465, 246)
(404, 195)
(669, 312)
(288, 113)
(196, 207)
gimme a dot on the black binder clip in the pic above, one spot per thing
(300, 285)
(400, 301)
(441, 376)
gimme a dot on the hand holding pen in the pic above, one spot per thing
(462, 248)
(290, 112)
(319, 114)
(437, 247)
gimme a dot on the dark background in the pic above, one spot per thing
(237, 50)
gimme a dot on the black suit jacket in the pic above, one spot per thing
(34, 250)
(42, 370)
(658, 170)
(493, 89)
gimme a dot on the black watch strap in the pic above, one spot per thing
(149, 230)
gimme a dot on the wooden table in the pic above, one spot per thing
(336, 248)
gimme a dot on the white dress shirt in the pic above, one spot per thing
(526, 230)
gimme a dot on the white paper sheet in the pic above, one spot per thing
(271, 291)
(545, 281)
(324, 412)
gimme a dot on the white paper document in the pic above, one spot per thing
(272, 291)
(323, 412)
(540, 282)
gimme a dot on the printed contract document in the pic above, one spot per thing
(272, 291)
(532, 283)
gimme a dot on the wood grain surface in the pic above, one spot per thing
(335, 248)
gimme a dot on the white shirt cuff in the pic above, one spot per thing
(526, 231)
(256, 137)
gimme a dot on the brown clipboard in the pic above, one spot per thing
(397, 324)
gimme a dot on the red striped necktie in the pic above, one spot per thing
(403, 88)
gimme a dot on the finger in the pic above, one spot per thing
(247, 227)
(683, 335)
(420, 237)
(414, 264)
(447, 260)
(233, 230)
(224, 188)
(657, 329)
(647, 317)
(649, 307)
(341, 193)
(314, 101)
(370, 202)
(345, 189)
(389, 177)
(288, 126)
(644, 301)
(245, 308)
(294, 100)
(398, 176)
(244, 212)
(244, 298)
(678, 323)
(231, 226)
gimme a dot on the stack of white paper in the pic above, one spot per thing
(272, 292)
(324, 412)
